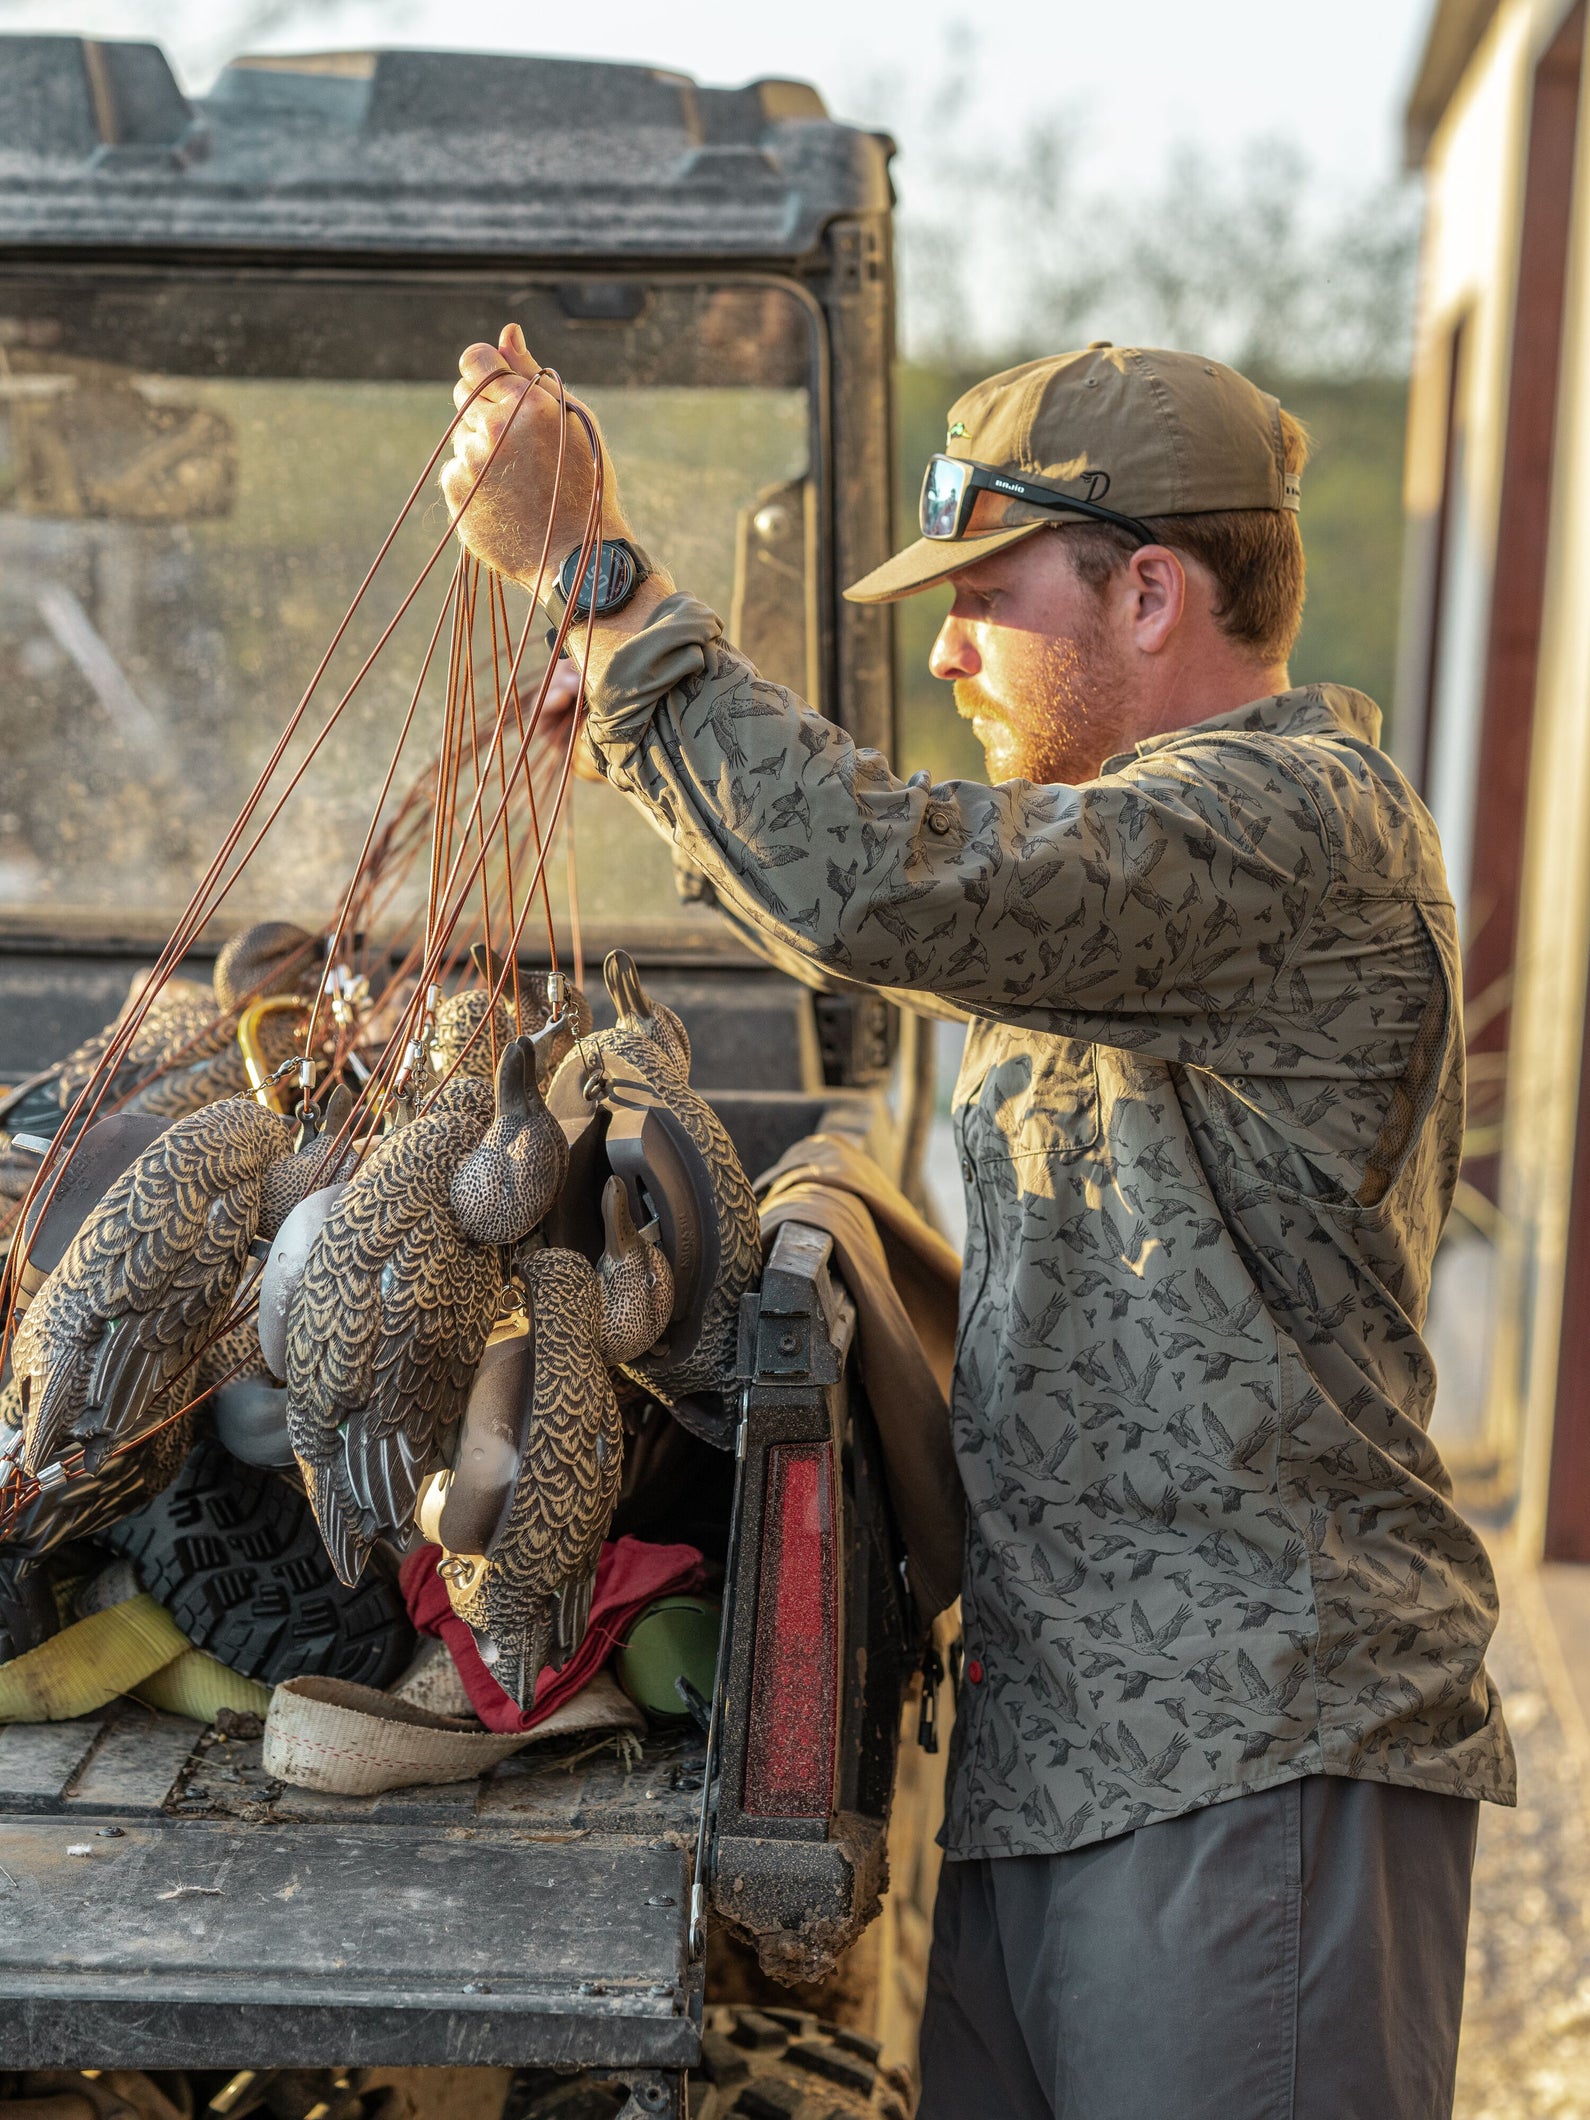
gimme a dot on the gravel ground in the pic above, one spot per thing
(1526, 2027)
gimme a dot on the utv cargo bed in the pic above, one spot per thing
(163, 1905)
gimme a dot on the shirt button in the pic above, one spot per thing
(974, 1671)
(937, 821)
(966, 1168)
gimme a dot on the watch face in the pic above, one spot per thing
(612, 569)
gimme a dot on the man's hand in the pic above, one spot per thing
(501, 514)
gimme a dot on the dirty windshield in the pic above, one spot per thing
(195, 474)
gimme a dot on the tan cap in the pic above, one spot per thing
(1136, 430)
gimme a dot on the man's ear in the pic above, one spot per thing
(1159, 597)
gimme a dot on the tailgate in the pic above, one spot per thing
(537, 1917)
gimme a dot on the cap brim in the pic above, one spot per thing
(930, 561)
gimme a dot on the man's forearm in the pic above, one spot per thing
(1045, 905)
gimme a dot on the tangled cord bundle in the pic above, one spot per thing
(490, 831)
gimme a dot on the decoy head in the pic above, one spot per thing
(641, 1017)
(636, 1282)
(315, 1162)
(458, 1018)
(506, 1187)
(271, 957)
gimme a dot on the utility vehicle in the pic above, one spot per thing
(227, 328)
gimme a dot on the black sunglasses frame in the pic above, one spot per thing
(1037, 493)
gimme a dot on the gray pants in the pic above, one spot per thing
(1294, 1955)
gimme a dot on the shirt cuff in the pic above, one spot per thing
(675, 644)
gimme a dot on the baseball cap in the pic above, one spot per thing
(1137, 430)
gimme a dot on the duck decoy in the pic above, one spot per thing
(505, 1187)
(646, 1032)
(151, 1274)
(629, 1087)
(99, 1156)
(272, 957)
(398, 1294)
(454, 1043)
(81, 1507)
(183, 1055)
(637, 1281)
(85, 1506)
(258, 977)
(181, 1014)
(31, 1114)
(522, 1513)
(553, 1010)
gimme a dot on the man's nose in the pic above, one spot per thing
(954, 654)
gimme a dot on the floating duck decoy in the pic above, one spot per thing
(522, 1513)
(454, 1043)
(181, 1014)
(151, 1274)
(31, 1114)
(186, 1046)
(398, 1294)
(561, 1009)
(629, 1086)
(637, 1281)
(647, 1033)
(90, 1504)
(505, 1187)
(257, 973)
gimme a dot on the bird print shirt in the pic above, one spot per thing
(1209, 1123)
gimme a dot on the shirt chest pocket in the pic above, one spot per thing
(1027, 1097)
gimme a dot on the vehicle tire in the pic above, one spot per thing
(773, 2064)
(232, 1552)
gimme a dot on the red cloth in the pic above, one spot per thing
(629, 1576)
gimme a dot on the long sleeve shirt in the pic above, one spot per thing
(1210, 1120)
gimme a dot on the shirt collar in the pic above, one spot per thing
(1307, 710)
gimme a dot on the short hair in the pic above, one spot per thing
(1254, 554)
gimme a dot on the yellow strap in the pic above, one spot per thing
(90, 1662)
(200, 1686)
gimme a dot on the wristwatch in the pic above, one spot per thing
(615, 570)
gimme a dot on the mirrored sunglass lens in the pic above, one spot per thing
(941, 496)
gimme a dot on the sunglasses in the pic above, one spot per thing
(952, 483)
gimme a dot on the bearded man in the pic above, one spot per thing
(1225, 1718)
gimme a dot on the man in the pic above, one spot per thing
(1225, 1715)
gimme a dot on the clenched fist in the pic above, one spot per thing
(503, 519)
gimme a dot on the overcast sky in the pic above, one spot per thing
(1330, 74)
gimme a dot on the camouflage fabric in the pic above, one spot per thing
(1209, 1119)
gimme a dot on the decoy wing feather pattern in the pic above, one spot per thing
(84, 1507)
(181, 1015)
(388, 1326)
(533, 1594)
(147, 1277)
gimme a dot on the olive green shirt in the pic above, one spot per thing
(1209, 1121)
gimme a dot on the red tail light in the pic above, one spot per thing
(789, 1768)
